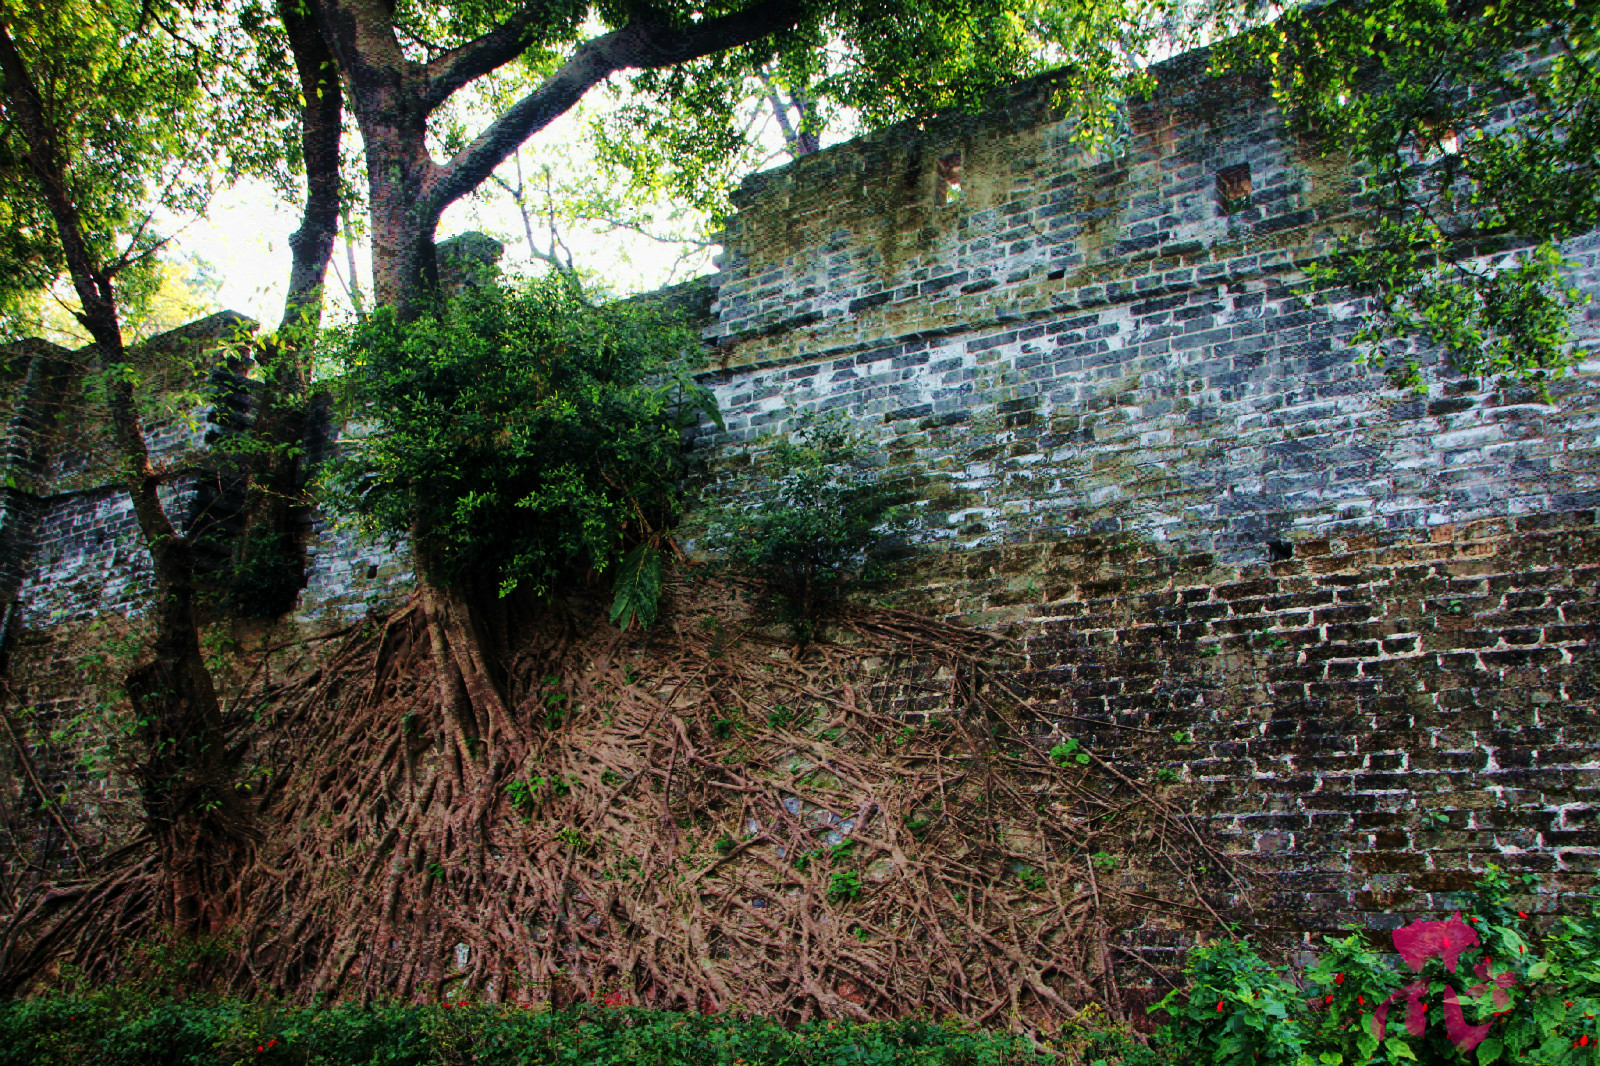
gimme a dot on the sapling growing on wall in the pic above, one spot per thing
(828, 524)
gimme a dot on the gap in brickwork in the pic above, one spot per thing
(950, 190)
(1233, 188)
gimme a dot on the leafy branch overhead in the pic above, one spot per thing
(1476, 128)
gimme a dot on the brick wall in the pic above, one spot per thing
(1355, 622)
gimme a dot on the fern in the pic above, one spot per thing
(637, 588)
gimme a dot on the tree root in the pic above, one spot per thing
(702, 818)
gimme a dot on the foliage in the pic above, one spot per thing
(1495, 986)
(1069, 751)
(827, 523)
(265, 578)
(152, 111)
(1470, 204)
(118, 1029)
(637, 587)
(526, 432)
(673, 132)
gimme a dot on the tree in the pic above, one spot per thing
(266, 577)
(403, 63)
(141, 100)
(111, 112)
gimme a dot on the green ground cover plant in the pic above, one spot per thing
(109, 1030)
(1490, 984)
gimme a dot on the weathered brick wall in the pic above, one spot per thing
(1366, 723)
(1354, 622)
(69, 544)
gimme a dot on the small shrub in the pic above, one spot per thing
(1068, 752)
(827, 525)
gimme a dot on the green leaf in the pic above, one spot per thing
(1489, 1051)
(637, 588)
(1399, 1049)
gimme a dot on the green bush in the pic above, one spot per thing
(1493, 986)
(828, 522)
(100, 1029)
(520, 435)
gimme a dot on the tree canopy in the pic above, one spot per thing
(152, 107)
(1477, 127)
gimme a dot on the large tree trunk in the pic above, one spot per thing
(392, 96)
(405, 274)
(200, 822)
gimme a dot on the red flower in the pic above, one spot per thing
(1219, 1006)
(1465, 1037)
(1329, 999)
(1421, 941)
(1338, 978)
(1415, 1008)
(1583, 1041)
(1502, 981)
(259, 1049)
(1361, 1000)
(616, 999)
(1522, 914)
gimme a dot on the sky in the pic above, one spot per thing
(244, 236)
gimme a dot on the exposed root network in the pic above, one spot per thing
(700, 818)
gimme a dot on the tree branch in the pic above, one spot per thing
(641, 44)
(321, 117)
(360, 35)
(451, 70)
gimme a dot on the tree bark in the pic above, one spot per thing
(191, 807)
(268, 564)
(392, 98)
